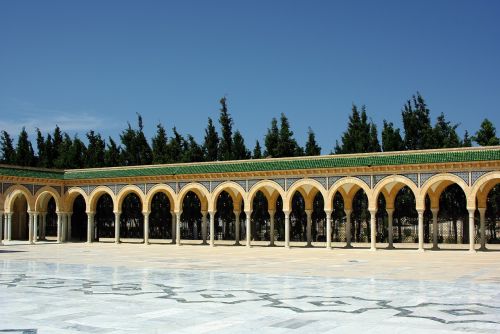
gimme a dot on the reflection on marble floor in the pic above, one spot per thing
(59, 298)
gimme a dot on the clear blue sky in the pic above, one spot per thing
(95, 64)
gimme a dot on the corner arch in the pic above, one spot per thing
(11, 194)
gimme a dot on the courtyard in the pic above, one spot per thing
(117, 288)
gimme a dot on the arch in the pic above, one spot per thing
(11, 195)
(163, 188)
(348, 187)
(269, 188)
(71, 195)
(435, 185)
(391, 185)
(41, 199)
(122, 194)
(308, 188)
(98, 192)
(482, 187)
(234, 190)
(198, 189)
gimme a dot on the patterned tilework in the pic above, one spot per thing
(290, 181)
(413, 177)
(322, 181)
(366, 179)
(463, 175)
(251, 183)
(424, 177)
(378, 178)
(476, 175)
(332, 180)
(281, 182)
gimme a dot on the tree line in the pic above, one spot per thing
(60, 150)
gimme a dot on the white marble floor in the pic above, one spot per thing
(44, 296)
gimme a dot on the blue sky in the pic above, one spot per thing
(95, 64)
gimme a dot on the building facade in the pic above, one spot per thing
(308, 200)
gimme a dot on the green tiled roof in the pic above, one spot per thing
(31, 172)
(376, 159)
(332, 161)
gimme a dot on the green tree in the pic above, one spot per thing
(486, 135)
(7, 149)
(272, 139)
(94, 156)
(40, 145)
(193, 152)
(360, 136)
(56, 147)
(374, 145)
(136, 149)
(467, 142)
(240, 151)
(287, 145)
(63, 159)
(77, 154)
(226, 123)
(24, 151)
(391, 138)
(113, 154)
(144, 153)
(445, 134)
(176, 147)
(312, 148)
(160, 146)
(211, 143)
(417, 124)
(257, 151)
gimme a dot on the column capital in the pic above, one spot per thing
(373, 212)
(328, 212)
(287, 213)
(472, 211)
(237, 212)
(435, 211)
(308, 211)
(146, 213)
(204, 213)
(271, 212)
(248, 214)
(90, 212)
(482, 211)
(347, 211)
(117, 212)
(390, 210)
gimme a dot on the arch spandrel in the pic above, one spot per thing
(2, 202)
(127, 190)
(97, 193)
(435, 185)
(11, 194)
(481, 188)
(391, 185)
(269, 188)
(308, 189)
(159, 188)
(72, 194)
(348, 187)
(234, 190)
(42, 197)
(199, 190)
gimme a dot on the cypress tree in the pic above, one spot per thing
(176, 147)
(193, 152)
(56, 146)
(360, 136)
(445, 134)
(211, 143)
(160, 145)
(24, 151)
(40, 145)
(467, 142)
(312, 148)
(77, 154)
(7, 149)
(64, 159)
(486, 135)
(272, 139)
(374, 145)
(417, 124)
(391, 138)
(95, 150)
(287, 146)
(113, 154)
(257, 151)
(226, 123)
(240, 151)
(129, 151)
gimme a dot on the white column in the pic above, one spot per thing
(421, 230)
(309, 227)
(117, 227)
(482, 227)
(348, 227)
(328, 229)
(43, 218)
(287, 229)
(472, 231)
(1, 227)
(178, 228)
(64, 227)
(174, 226)
(30, 227)
(90, 227)
(271, 227)
(9, 226)
(212, 228)
(204, 227)
(248, 228)
(59, 227)
(146, 227)
(373, 230)
(435, 231)
(68, 225)
(237, 227)
(35, 227)
(390, 214)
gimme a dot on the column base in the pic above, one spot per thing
(391, 247)
(237, 243)
(348, 246)
(420, 250)
(271, 245)
(146, 243)
(435, 248)
(309, 246)
(204, 243)
(483, 249)
(178, 244)
(472, 251)
(373, 249)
